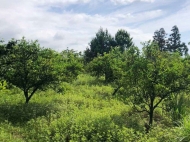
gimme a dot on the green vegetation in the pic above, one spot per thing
(104, 42)
(120, 94)
(85, 112)
(32, 67)
(172, 43)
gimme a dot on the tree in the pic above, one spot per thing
(153, 77)
(72, 65)
(98, 45)
(160, 38)
(106, 65)
(123, 40)
(174, 42)
(33, 67)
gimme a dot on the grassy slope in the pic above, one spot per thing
(86, 112)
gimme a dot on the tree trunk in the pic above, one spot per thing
(27, 100)
(26, 97)
(151, 113)
(151, 116)
(29, 97)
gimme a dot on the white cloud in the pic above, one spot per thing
(75, 30)
(179, 18)
(129, 1)
(58, 31)
(125, 18)
(59, 2)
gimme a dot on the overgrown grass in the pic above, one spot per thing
(81, 111)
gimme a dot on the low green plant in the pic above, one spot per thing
(84, 113)
(185, 129)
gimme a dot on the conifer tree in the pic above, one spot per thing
(174, 42)
(160, 39)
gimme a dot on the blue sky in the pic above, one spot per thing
(59, 24)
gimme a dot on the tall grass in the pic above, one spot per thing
(81, 111)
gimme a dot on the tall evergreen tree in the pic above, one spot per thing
(174, 42)
(160, 39)
(100, 44)
(123, 39)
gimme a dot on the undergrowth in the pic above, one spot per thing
(81, 111)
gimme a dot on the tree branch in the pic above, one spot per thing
(172, 91)
(35, 89)
(143, 110)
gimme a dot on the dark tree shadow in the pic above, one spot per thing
(21, 113)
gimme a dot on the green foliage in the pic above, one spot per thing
(185, 129)
(32, 67)
(3, 84)
(123, 40)
(98, 45)
(102, 107)
(177, 105)
(153, 77)
(160, 39)
(162, 134)
(104, 42)
(86, 112)
(72, 65)
(174, 42)
(150, 77)
(129, 119)
(99, 129)
(110, 66)
(8, 133)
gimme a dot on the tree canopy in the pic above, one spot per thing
(104, 42)
(107, 65)
(123, 40)
(174, 42)
(154, 76)
(33, 67)
(160, 38)
(99, 44)
(149, 77)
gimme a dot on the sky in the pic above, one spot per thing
(59, 24)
